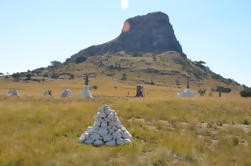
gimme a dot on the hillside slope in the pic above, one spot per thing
(146, 51)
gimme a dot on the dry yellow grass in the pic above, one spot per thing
(37, 130)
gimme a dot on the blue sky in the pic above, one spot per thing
(33, 32)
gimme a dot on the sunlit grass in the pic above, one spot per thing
(37, 130)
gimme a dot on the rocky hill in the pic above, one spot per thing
(146, 51)
(149, 33)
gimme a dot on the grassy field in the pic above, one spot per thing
(203, 131)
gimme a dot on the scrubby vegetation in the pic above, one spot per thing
(42, 131)
(246, 93)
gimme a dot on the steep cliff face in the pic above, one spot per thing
(149, 33)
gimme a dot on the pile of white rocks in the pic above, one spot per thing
(13, 92)
(107, 130)
(86, 92)
(66, 93)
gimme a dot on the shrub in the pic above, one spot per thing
(124, 77)
(223, 89)
(71, 77)
(55, 76)
(16, 76)
(28, 76)
(245, 93)
(55, 64)
(235, 141)
(95, 87)
(202, 92)
(246, 122)
(154, 58)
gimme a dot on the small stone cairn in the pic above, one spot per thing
(66, 93)
(13, 92)
(86, 92)
(107, 130)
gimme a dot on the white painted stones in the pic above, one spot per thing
(66, 93)
(106, 130)
(187, 93)
(13, 92)
(86, 92)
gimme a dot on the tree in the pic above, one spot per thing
(202, 92)
(223, 89)
(71, 77)
(55, 64)
(124, 77)
(245, 93)
(46, 75)
(178, 83)
(28, 76)
(55, 76)
(154, 58)
(16, 76)
(95, 87)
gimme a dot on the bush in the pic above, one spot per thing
(28, 76)
(235, 141)
(46, 75)
(16, 76)
(124, 77)
(245, 93)
(55, 76)
(202, 92)
(223, 89)
(246, 122)
(55, 64)
(95, 87)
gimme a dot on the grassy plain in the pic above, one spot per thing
(203, 131)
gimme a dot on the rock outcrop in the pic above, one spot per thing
(106, 130)
(149, 33)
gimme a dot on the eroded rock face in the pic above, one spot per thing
(106, 130)
(149, 33)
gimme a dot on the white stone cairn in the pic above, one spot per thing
(66, 93)
(106, 130)
(86, 92)
(187, 93)
(13, 92)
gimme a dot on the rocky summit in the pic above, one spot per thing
(149, 33)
